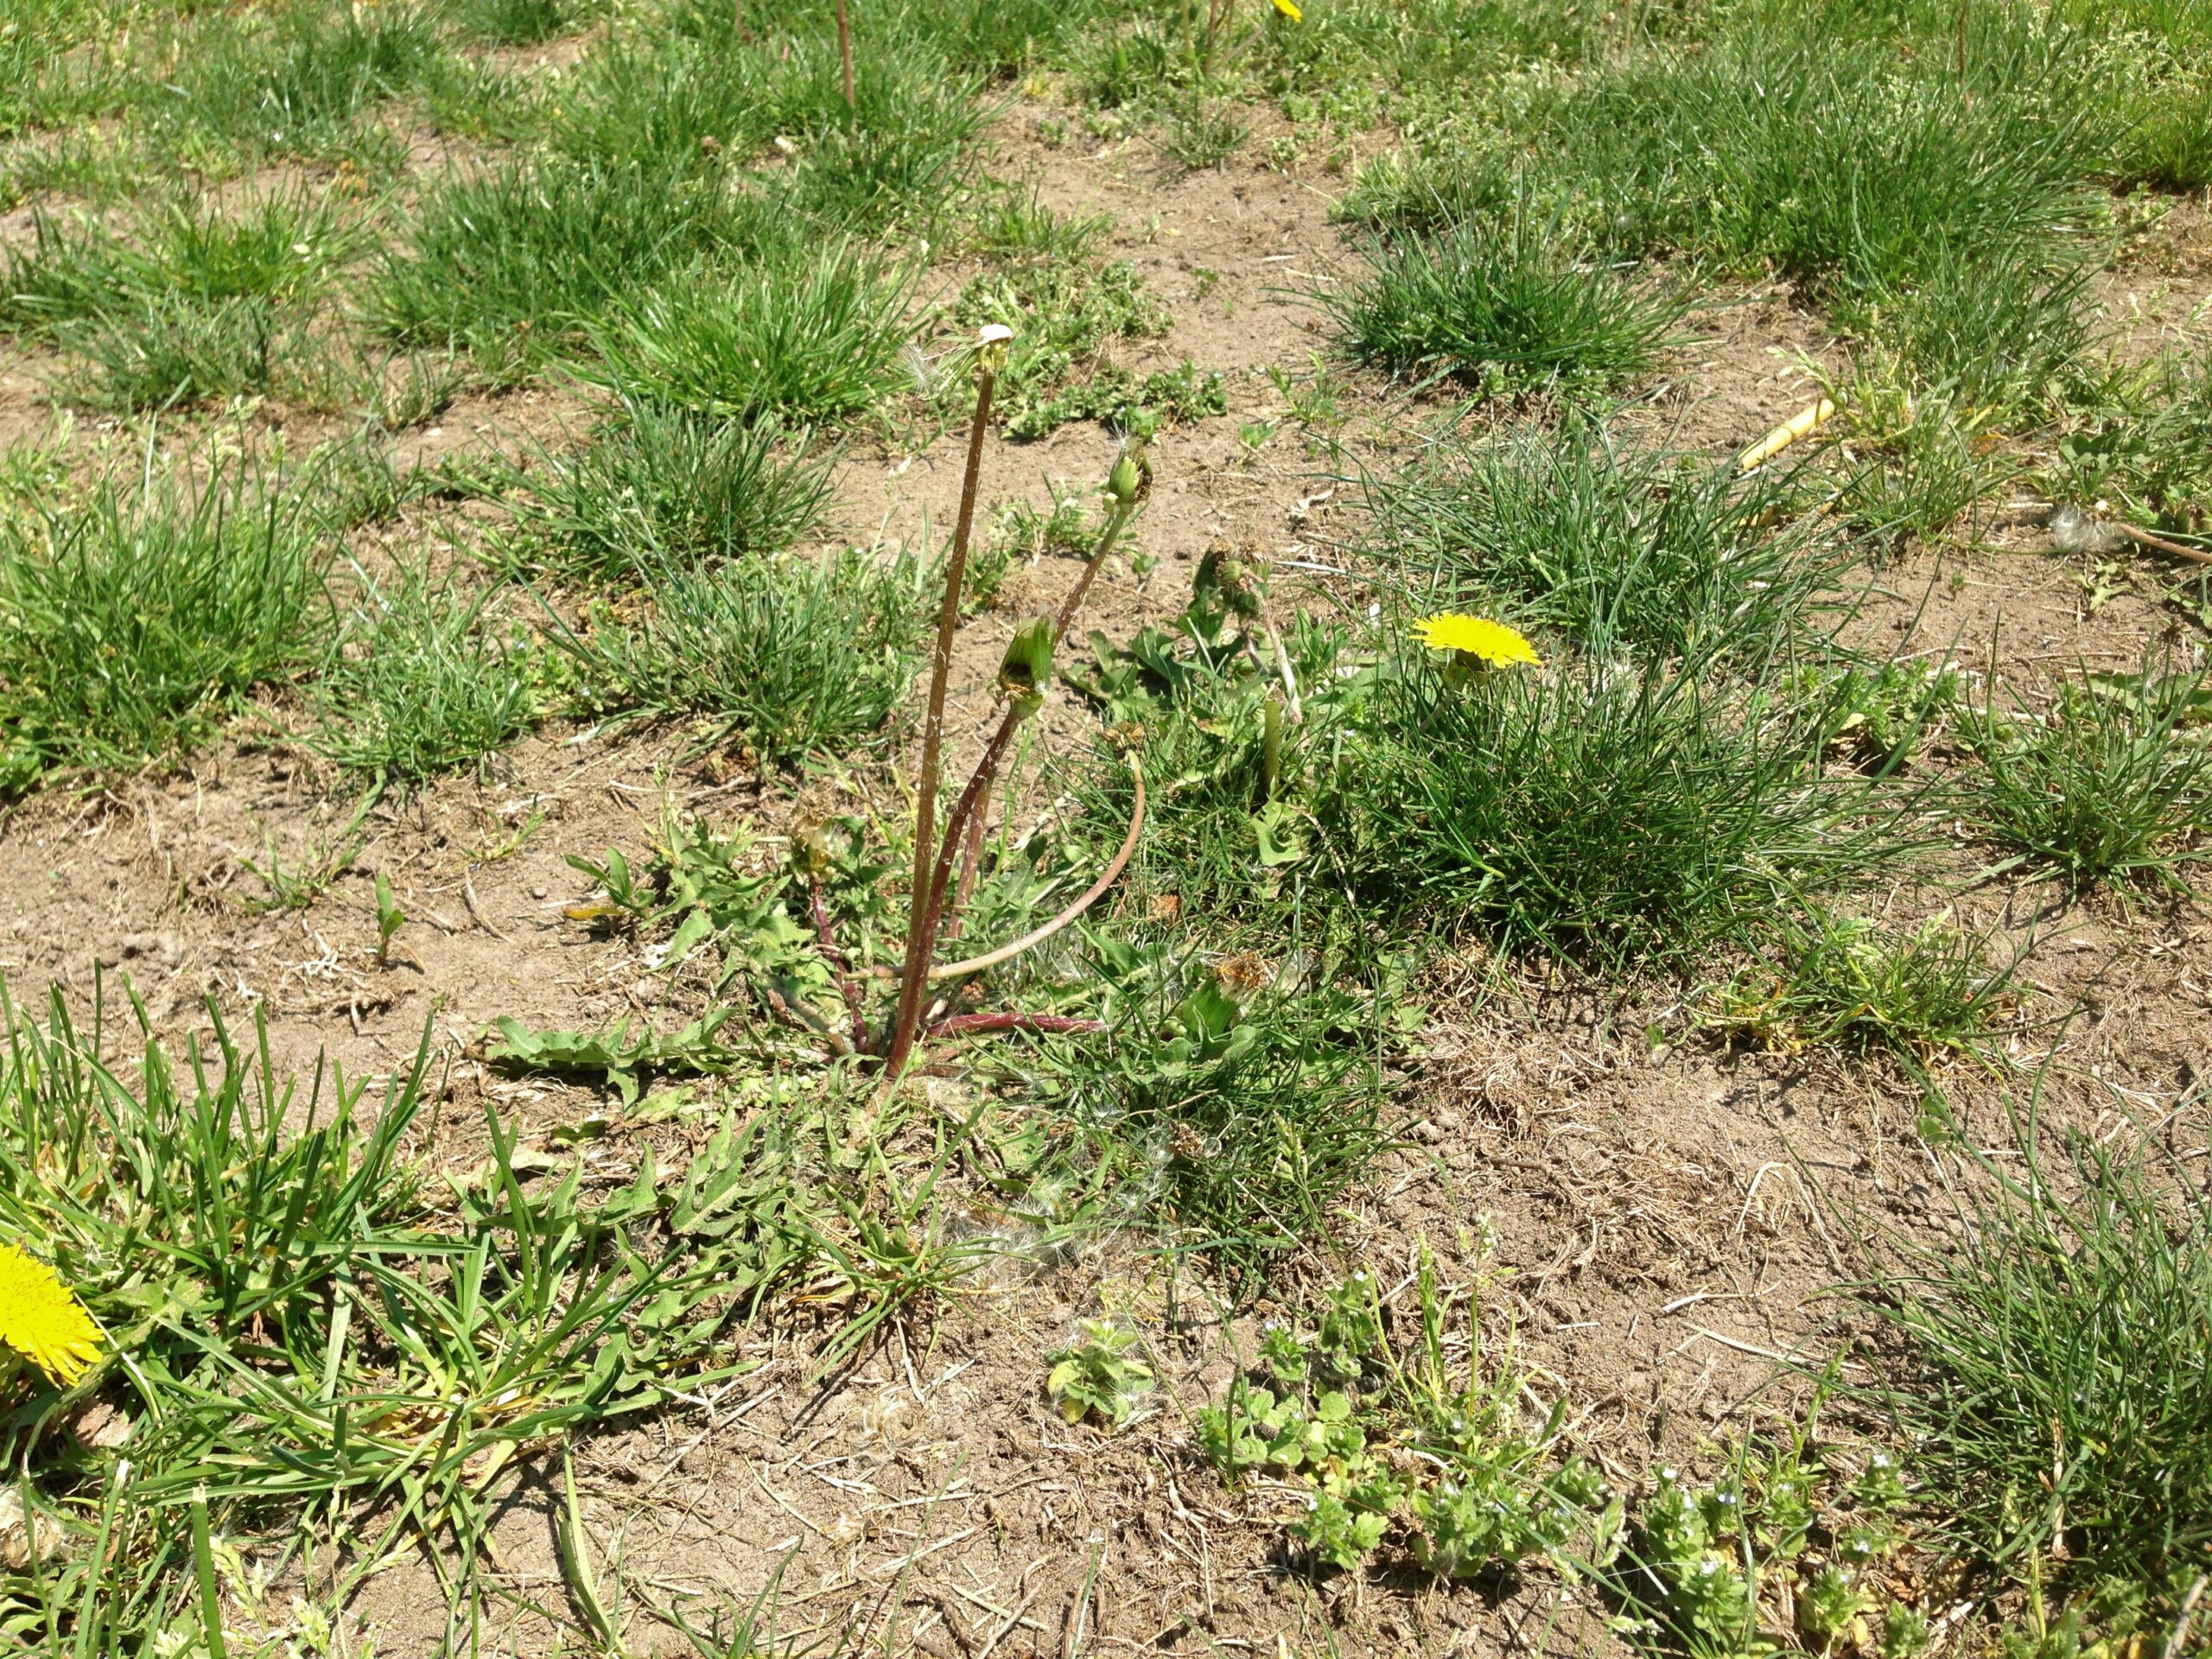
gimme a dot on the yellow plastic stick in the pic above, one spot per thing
(1805, 421)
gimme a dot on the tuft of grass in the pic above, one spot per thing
(178, 353)
(1923, 460)
(660, 489)
(300, 81)
(132, 625)
(2110, 781)
(808, 338)
(1839, 981)
(512, 263)
(1779, 143)
(1502, 310)
(280, 250)
(1594, 808)
(797, 658)
(1019, 229)
(891, 155)
(416, 682)
(1991, 333)
(519, 22)
(1582, 533)
(1199, 133)
(2050, 1368)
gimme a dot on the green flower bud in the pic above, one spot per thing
(1027, 666)
(1121, 482)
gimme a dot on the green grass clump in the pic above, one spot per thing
(890, 157)
(2112, 781)
(1994, 334)
(797, 658)
(520, 23)
(1501, 310)
(660, 489)
(1779, 143)
(512, 263)
(1592, 810)
(1581, 532)
(417, 682)
(301, 81)
(2051, 1370)
(192, 307)
(130, 627)
(808, 338)
(1832, 980)
(278, 248)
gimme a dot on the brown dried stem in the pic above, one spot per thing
(919, 937)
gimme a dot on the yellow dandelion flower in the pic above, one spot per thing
(1289, 9)
(1491, 644)
(41, 1319)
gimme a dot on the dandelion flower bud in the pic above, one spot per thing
(1027, 666)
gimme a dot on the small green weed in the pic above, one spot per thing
(1066, 314)
(390, 918)
(1199, 133)
(1479, 1492)
(1096, 1373)
(1789, 1548)
(1251, 1110)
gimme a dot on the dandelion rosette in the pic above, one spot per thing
(41, 1319)
(1475, 638)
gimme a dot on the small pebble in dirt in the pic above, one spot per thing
(537, 892)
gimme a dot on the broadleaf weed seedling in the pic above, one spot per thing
(1097, 1373)
(1402, 1440)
